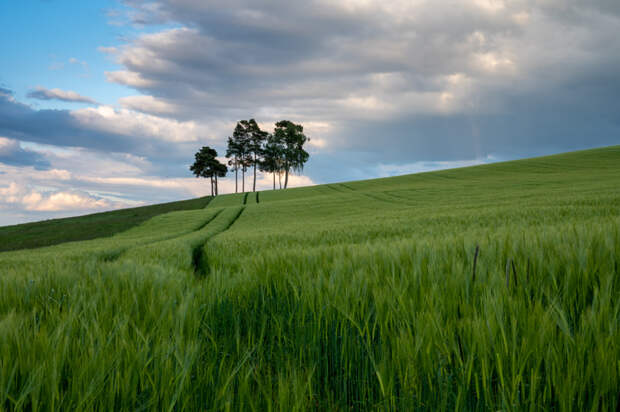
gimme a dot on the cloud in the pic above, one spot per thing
(130, 123)
(81, 180)
(128, 78)
(381, 88)
(147, 104)
(11, 153)
(407, 81)
(61, 201)
(73, 60)
(198, 187)
(42, 93)
(59, 65)
(6, 94)
(103, 128)
(29, 199)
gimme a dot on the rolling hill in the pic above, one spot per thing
(493, 287)
(55, 231)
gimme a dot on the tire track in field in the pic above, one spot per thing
(116, 254)
(333, 187)
(232, 222)
(401, 199)
(371, 195)
(380, 199)
(392, 199)
(200, 261)
(208, 221)
(350, 191)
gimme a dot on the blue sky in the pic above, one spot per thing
(103, 103)
(39, 38)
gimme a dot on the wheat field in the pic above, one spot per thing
(493, 287)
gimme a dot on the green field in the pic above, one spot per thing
(55, 231)
(351, 296)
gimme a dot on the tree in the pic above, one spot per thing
(293, 139)
(207, 165)
(239, 149)
(233, 152)
(219, 170)
(256, 139)
(272, 157)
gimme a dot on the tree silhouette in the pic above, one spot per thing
(256, 139)
(240, 149)
(293, 139)
(281, 152)
(233, 152)
(272, 157)
(219, 170)
(207, 165)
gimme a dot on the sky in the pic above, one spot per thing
(103, 103)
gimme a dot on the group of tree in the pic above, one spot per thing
(279, 153)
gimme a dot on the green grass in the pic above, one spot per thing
(230, 200)
(54, 231)
(352, 296)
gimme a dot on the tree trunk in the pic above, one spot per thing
(286, 178)
(236, 173)
(211, 186)
(216, 185)
(243, 179)
(274, 180)
(254, 184)
(280, 179)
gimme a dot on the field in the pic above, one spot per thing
(54, 231)
(493, 287)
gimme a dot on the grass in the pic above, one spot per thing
(55, 231)
(358, 295)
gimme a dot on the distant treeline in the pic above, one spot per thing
(280, 152)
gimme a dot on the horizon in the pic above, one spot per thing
(328, 183)
(103, 104)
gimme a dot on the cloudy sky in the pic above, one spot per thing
(103, 103)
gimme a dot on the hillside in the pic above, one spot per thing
(492, 287)
(55, 231)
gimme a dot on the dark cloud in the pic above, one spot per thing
(582, 112)
(53, 127)
(12, 154)
(283, 55)
(396, 82)
(102, 129)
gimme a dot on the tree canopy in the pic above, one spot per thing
(256, 141)
(207, 165)
(281, 152)
(272, 158)
(239, 150)
(292, 138)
